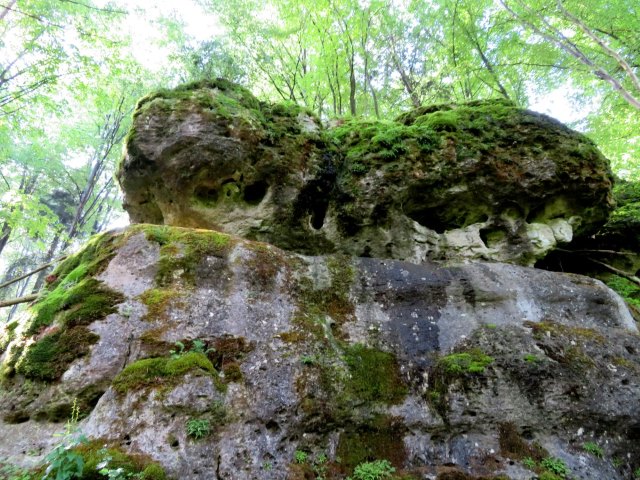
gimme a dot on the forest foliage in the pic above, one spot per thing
(72, 70)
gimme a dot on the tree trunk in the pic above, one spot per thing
(45, 271)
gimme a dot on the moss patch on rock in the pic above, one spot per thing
(75, 297)
(380, 438)
(182, 251)
(158, 300)
(95, 452)
(316, 304)
(56, 334)
(462, 367)
(162, 372)
(7, 335)
(48, 357)
(374, 375)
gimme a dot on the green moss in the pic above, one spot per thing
(162, 372)
(7, 335)
(96, 452)
(365, 144)
(182, 250)
(374, 375)
(157, 301)
(74, 298)
(513, 446)
(375, 440)
(49, 357)
(554, 329)
(315, 304)
(462, 367)
(458, 364)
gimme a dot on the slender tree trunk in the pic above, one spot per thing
(352, 85)
(7, 9)
(5, 233)
(48, 257)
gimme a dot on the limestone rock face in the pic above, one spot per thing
(478, 181)
(305, 367)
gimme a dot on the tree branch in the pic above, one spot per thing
(28, 274)
(15, 301)
(622, 273)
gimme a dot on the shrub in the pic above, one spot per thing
(373, 470)
(594, 449)
(198, 429)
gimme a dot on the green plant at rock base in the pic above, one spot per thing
(373, 470)
(198, 429)
(555, 466)
(529, 463)
(197, 346)
(179, 350)
(300, 457)
(594, 449)
(63, 462)
(531, 358)
(320, 466)
(626, 289)
(308, 359)
(636, 473)
(11, 472)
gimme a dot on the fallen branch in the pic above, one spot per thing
(608, 252)
(28, 274)
(15, 301)
(632, 278)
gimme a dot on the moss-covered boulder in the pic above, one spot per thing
(483, 180)
(218, 357)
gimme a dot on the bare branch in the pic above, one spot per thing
(556, 37)
(608, 50)
(28, 274)
(91, 7)
(15, 301)
(632, 278)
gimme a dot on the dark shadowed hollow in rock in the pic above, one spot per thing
(301, 302)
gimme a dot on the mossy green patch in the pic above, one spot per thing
(157, 301)
(95, 452)
(183, 249)
(374, 375)
(7, 335)
(463, 367)
(75, 298)
(162, 372)
(554, 329)
(380, 438)
(315, 304)
(49, 357)
(457, 364)
(72, 300)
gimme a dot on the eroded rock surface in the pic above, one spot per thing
(478, 181)
(443, 371)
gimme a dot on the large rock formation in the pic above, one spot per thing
(484, 180)
(197, 354)
(305, 367)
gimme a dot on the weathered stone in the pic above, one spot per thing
(356, 359)
(477, 181)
